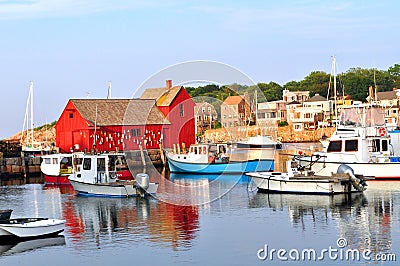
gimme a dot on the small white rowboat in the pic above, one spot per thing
(31, 227)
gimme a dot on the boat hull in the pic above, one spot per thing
(115, 190)
(219, 168)
(380, 171)
(325, 186)
(37, 228)
(56, 179)
(272, 146)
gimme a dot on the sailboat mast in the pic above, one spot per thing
(31, 125)
(375, 96)
(255, 100)
(334, 87)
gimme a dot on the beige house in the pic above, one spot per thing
(205, 117)
(235, 111)
(291, 96)
(311, 114)
(271, 113)
(389, 100)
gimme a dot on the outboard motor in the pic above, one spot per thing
(142, 183)
(357, 183)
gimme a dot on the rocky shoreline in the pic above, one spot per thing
(283, 134)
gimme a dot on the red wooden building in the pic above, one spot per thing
(124, 124)
(178, 107)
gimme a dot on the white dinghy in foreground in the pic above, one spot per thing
(31, 227)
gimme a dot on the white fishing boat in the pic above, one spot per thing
(360, 141)
(98, 176)
(31, 227)
(56, 168)
(293, 181)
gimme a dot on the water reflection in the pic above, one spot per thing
(365, 220)
(16, 247)
(191, 189)
(118, 221)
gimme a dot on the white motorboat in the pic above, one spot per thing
(98, 176)
(360, 141)
(31, 227)
(344, 181)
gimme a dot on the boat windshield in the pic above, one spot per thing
(362, 116)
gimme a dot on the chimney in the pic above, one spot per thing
(168, 84)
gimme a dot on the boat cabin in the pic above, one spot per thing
(372, 148)
(205, 153)
(102, 168)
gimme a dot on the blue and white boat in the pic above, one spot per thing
(215, 159)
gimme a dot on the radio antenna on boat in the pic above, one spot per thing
(95, 129)
(109, 90)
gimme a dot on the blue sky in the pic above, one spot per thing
(72, 49)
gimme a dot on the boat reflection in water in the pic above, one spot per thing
(191, 189)
(363, 219)
(16, 247)
(116, 221)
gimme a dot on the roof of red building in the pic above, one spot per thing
(163, 96)
(168, 96)
(152, 93)
(120, 111)
(233, 100)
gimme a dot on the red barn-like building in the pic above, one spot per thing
(178, 107)
(124, 124)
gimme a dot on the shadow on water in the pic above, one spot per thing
(16, 246)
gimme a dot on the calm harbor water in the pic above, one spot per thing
(220, 220)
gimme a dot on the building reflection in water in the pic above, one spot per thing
(132, 219)
(171, 219)
(364, 219)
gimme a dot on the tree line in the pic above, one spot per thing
(355, 82)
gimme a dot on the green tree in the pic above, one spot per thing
(316, 82)
(394, 75)
(292, 85)
(272, 91)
